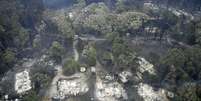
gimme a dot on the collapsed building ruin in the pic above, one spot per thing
(144, 66)
(109, 91)
(148, 93)
(71, 87)
(23, 82)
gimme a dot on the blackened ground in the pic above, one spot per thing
(57, 4)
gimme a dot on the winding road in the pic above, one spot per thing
(52, 92)
(76, 54)
(53, 87)
(92, 38)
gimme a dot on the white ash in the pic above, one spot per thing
(109, 91)
(124, 76)
(146, 66)
(149, 94)
(93, 69)
(70, 15)
(71, 87)
(109, 77)
(23, 82)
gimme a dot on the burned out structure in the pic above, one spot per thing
(100, 50)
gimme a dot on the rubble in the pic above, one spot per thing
(111, 91)
(146, 66)
(152, 29)
(149, 94)
(149, 5)
(6, 97)
(93, 69)
(70, 15)
(124, 76)
(41, 26)
(109, 77)
(71, 87)
(76, 37)
(23, 82)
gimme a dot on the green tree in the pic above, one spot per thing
(23, 37)
(124, 56)
(15, 20)
(96, 22)
(70, 66)
(66, 27)
(129, 21)
(91, 56)
(8, 57)
(175, 57)
(32, 96)
(106, 57)
(41, 75)
(111, 36)
(80, 3)
(185, 63)
(193, 65)
(188, 92)
(120, 6)
(37, 43)
(118, 46)
(31, 14)
(41, 81)
(57, 51)
(198, 33)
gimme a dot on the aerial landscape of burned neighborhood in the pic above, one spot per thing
(100, 50)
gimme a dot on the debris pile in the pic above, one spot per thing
(152, 29)
(93, 69)
(151, 6)
(70, 15)
(109, 91)
(23, 82)
(149, 94)
(109, 77)
(144, 66)
(71, 87)
(124, 76)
